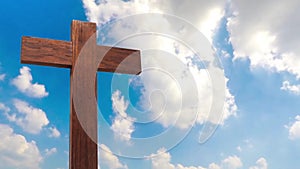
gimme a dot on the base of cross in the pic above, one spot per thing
(57, 53)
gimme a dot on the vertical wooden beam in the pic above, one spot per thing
(83, 150)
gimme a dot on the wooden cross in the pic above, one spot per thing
(83, 150)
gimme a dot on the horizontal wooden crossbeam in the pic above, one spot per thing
(58, 53)
(46, 52)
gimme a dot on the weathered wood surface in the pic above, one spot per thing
(83, 149)
(120, 60)
(46, 52)
(58, 53)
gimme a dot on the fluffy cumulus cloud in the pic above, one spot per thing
(295, 89)
(264, 32)
(294, 129)
(24, 84)
(261, 163)
(169, 91)
(178, 93)
(178, 86)
(208, 13)
(108, 159)
(122, 123)
(54, 132)
(232, 162)
(31, 119)
(163, 160)
(16, 151)
(229, 107)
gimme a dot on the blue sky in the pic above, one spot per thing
(256, 43)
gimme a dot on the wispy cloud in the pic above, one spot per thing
(122, 123)
(23, 82)
(51, 151)
(4, 108)
(53, 132)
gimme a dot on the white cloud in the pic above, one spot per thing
(291, 88)
(16, 151)
(107, 158)
(239, 148)
(51, 151)
(213, 166)
(232, 162)
(24, 84)
(205, 15)
(294, 129)
(264, 32)
(177, 100)
(31, 119)
(230, 107)
(54, 132)
(2, 77)
(119, 104)
(170, 92)
(4, 108)
(261, 163)
(104, 12)
(122, 123)
(177, 92)
(163, 160)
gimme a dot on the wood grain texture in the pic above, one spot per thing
(46, 52)
(120, 60)
(83, 150)
(58, 53)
